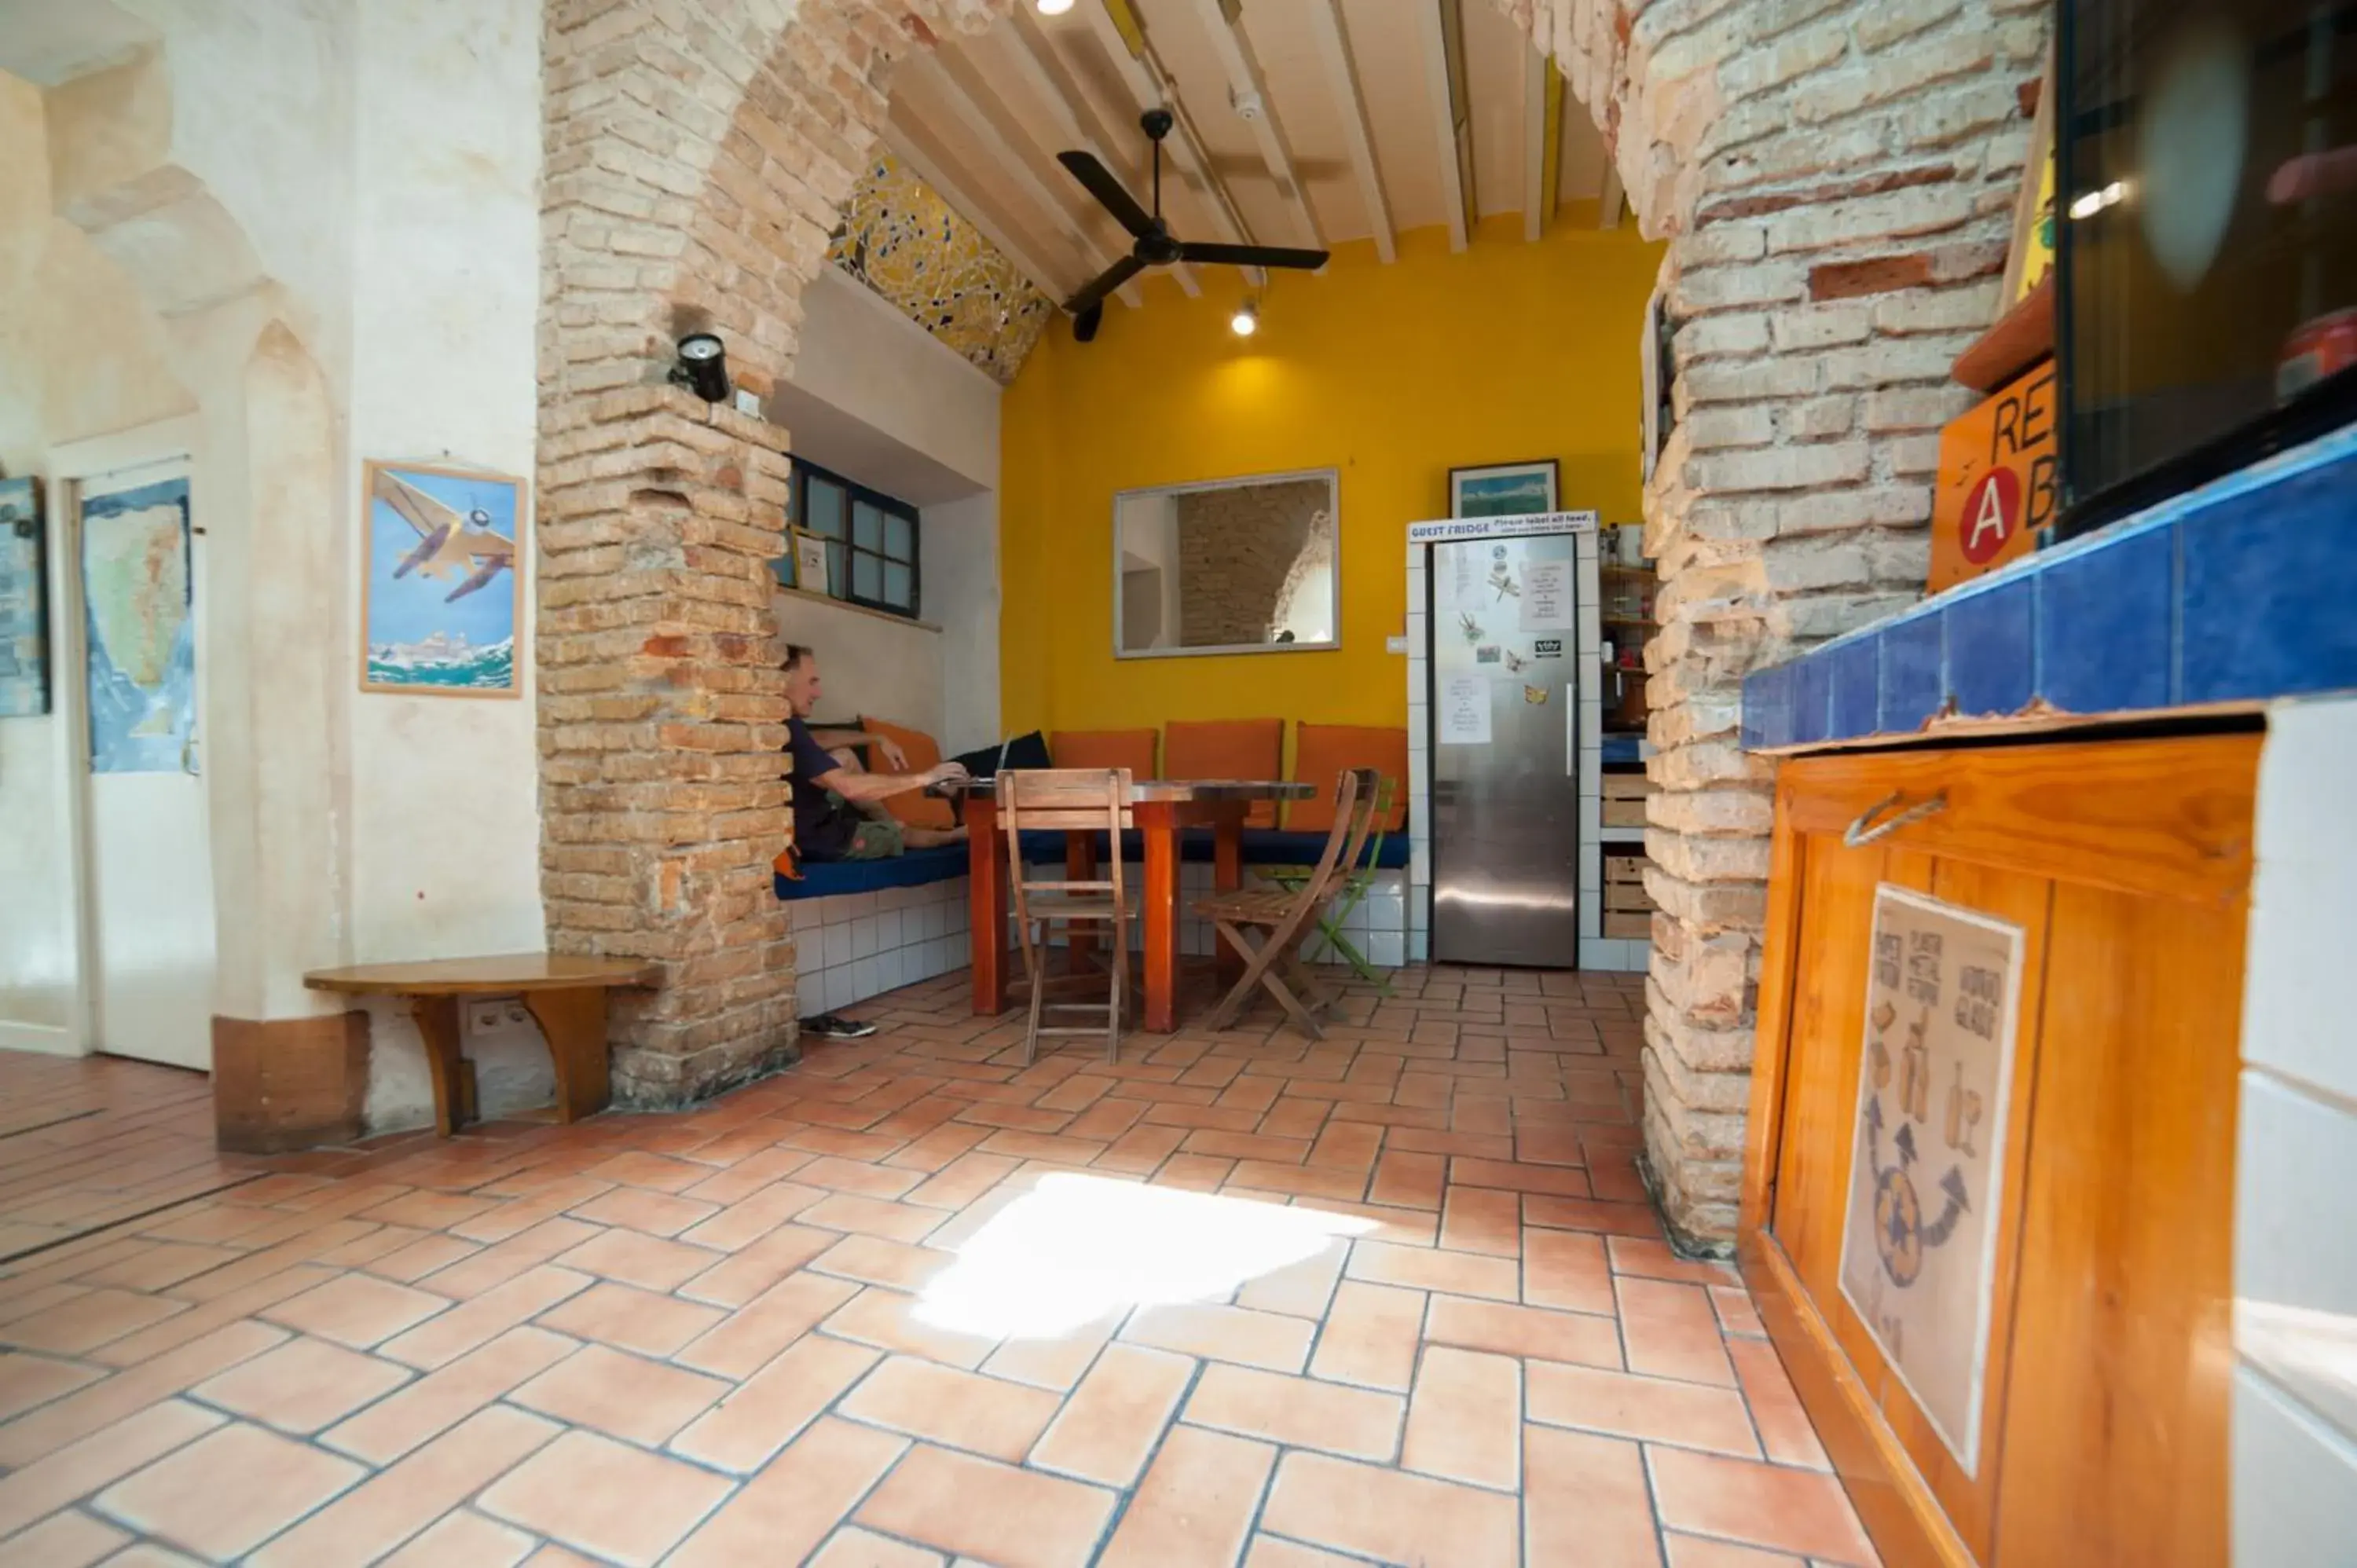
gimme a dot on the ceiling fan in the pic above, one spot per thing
(1156, 246)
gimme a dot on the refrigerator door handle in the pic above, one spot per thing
(1571, 730)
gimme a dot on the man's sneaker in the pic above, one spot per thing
(835, 1026)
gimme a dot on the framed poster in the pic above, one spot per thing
(810, 563)
(1918, 1231)
(1502, 489)
(441, 597)
(138, 596)
(24, 602)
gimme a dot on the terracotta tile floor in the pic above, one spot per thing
(1395, 1297)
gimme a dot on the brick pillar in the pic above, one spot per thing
(662, 714)
(1835, 179)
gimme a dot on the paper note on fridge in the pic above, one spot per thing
(1465, 711)
(1546, 595)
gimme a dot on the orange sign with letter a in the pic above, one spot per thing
(1997, 493)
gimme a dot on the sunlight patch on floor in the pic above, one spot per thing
(1079, 1247)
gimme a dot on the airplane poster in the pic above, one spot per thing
(443, 597)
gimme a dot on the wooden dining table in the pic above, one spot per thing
(1161, 808)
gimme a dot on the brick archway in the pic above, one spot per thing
(1834, 178)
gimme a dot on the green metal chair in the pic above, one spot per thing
(1356, 885)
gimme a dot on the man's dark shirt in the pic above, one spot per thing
(822, 828)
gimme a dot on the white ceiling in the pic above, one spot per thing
(982, 119)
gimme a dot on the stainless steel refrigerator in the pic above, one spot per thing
(1503, 620)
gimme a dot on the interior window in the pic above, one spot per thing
(869, 539)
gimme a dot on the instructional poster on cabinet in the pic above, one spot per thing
(1919, 1238)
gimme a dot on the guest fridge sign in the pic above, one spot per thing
(1918, 1237)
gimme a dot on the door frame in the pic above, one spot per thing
(71, 467)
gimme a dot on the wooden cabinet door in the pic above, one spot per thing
(2124, 866)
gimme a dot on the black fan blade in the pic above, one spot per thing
(1108, 191)
(1253, 256)
(1120, 273)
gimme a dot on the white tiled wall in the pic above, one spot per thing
(1595, 951)
(2294, 1415)
(858, 945)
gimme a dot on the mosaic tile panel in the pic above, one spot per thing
(904, 241)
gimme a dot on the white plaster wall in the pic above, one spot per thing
(870, 663)
(959, 550)
(446, 278)
(2295, 1416)
(897, 385)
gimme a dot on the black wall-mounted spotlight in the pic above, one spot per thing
(1085, 324)
(703, 366)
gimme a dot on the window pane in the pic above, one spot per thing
(822, 499)
(899, 538)
(866, 576)
(867, 526)
(899, 587)
(836, 582)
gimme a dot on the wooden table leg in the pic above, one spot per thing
(1158, 824)
(437, 1025)
(986, 905)
(574, 1023)
(1080, 865)
(1227, 875)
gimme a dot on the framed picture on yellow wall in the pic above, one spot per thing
(1502, 489)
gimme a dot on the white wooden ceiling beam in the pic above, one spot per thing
(1358, 135)
(975, 125)
(1023, 51)
(918, 157)
(1150, 88)
(1440, 91)
(1247, 86)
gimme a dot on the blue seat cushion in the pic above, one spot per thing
(826, 879)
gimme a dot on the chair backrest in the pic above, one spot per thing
(1073, 800)
(1354, 814)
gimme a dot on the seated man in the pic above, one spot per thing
(838, 811)
(837, 804)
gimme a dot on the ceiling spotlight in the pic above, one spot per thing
(1246, 320)
(1054, 7)
(703, 366)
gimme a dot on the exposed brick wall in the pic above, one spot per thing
(1836, 177)
(1238, 547)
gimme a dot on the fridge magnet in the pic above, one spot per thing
(137, 591)
(1918, 1234)
(441, 598)
(1536, 697)
(1502, 489)
(24, 602)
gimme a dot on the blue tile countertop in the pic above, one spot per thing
(2223, 597)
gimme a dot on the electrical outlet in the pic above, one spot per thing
(488, 1015)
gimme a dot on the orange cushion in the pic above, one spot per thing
(1321, 753)
(1130, 749)
(1227, 748)
(913, 807)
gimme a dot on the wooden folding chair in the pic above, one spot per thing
(1082, 800)
(1289, 917)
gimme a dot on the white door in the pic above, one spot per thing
(137, 567)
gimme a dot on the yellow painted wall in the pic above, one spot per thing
(1391, 375)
